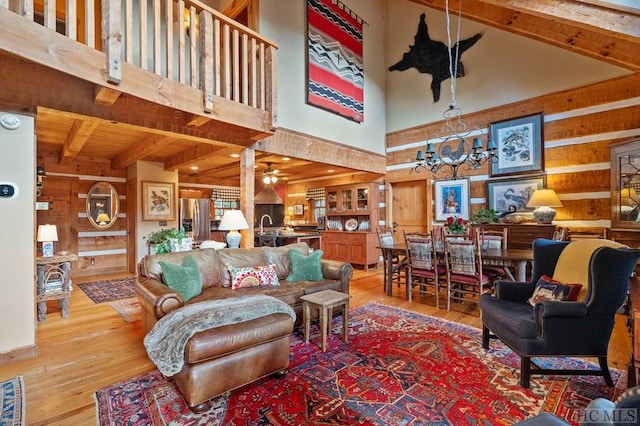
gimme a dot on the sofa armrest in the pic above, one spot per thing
(336, 270)
(157, 298)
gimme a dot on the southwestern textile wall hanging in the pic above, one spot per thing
(335, 76)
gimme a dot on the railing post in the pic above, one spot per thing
(112, 39)
(206, 59)
(272, 86)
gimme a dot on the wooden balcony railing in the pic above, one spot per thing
(185, 41)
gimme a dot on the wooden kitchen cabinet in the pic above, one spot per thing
(351, 220)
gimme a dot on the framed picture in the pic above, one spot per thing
(504, 193)
(158, 201)
(452, 199)
(298, 209)
(519, 145)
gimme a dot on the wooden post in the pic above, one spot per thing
(206, 59)
(247, 189)
(271, 91)
(112, 39)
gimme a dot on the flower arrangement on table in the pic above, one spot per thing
(456, 225)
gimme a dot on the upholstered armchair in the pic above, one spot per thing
(559, 328)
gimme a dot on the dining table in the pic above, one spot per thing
(518, 259)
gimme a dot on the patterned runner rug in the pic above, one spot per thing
(399, 368)
(12, 402)
(109, 290)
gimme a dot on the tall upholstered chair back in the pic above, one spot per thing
(552, 326)
(422, 266)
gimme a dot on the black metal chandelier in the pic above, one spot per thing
(454, 149)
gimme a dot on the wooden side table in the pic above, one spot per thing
(54, 282)
(325, 301)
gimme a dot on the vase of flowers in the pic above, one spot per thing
(456, 225)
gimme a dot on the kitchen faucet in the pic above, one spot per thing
(262, 223)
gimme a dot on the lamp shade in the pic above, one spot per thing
(102, 218)
(629, 197)
(233, 220)
(544, 198)
(47, 233)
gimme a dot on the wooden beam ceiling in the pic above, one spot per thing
(590, 30)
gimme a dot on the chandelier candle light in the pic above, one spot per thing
(449, 154)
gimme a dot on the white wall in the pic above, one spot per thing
(153, 172)
(284, 22)
(501, 68)
(17, 241)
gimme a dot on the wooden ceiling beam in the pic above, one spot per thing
(600, 36)
(78, 135)
(303, 146)
(191, 156)
(140, 150)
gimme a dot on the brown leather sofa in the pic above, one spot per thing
(227, 357)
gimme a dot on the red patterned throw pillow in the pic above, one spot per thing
(549, 289)
(253, 276)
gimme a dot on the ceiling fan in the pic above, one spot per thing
(270, 175)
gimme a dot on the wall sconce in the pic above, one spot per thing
(40, 175)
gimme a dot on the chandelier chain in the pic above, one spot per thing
(453, 64)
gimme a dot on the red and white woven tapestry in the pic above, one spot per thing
(334, 62)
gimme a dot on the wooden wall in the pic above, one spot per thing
(579, 125)
(66, 188)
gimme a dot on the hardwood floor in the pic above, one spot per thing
(94, 347)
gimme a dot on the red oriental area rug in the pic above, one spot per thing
(399, 368)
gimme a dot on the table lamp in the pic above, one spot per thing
(232, 221)
(102, 219)
(47, 234)
(544, 200)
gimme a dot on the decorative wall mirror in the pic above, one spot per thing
(625, 184)
(103, 205)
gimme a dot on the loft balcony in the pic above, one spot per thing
(170, 65)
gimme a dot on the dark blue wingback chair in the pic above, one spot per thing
(560, 328)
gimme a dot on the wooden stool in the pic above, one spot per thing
(325, 301)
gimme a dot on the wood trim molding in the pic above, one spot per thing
(19, 354)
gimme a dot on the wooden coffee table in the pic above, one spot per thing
(325, 301)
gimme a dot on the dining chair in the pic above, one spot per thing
(589, 234)
(423, 269)
(465, 273)
(385, 238)
(492, 239)
(558, 234)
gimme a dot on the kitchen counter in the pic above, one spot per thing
(313, 239)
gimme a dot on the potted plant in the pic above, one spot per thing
(485, 216)
(169, 240)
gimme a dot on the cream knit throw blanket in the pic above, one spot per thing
(167, 339)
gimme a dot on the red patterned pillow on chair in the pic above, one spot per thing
(550, 289)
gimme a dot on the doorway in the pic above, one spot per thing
(410, 207)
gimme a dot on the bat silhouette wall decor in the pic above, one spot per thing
(432, 57)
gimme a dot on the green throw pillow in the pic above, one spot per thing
(183, 279)
(305, 268)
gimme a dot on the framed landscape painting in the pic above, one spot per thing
(519, 145)
(452, 199)
(158, 201)
(504, 193)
